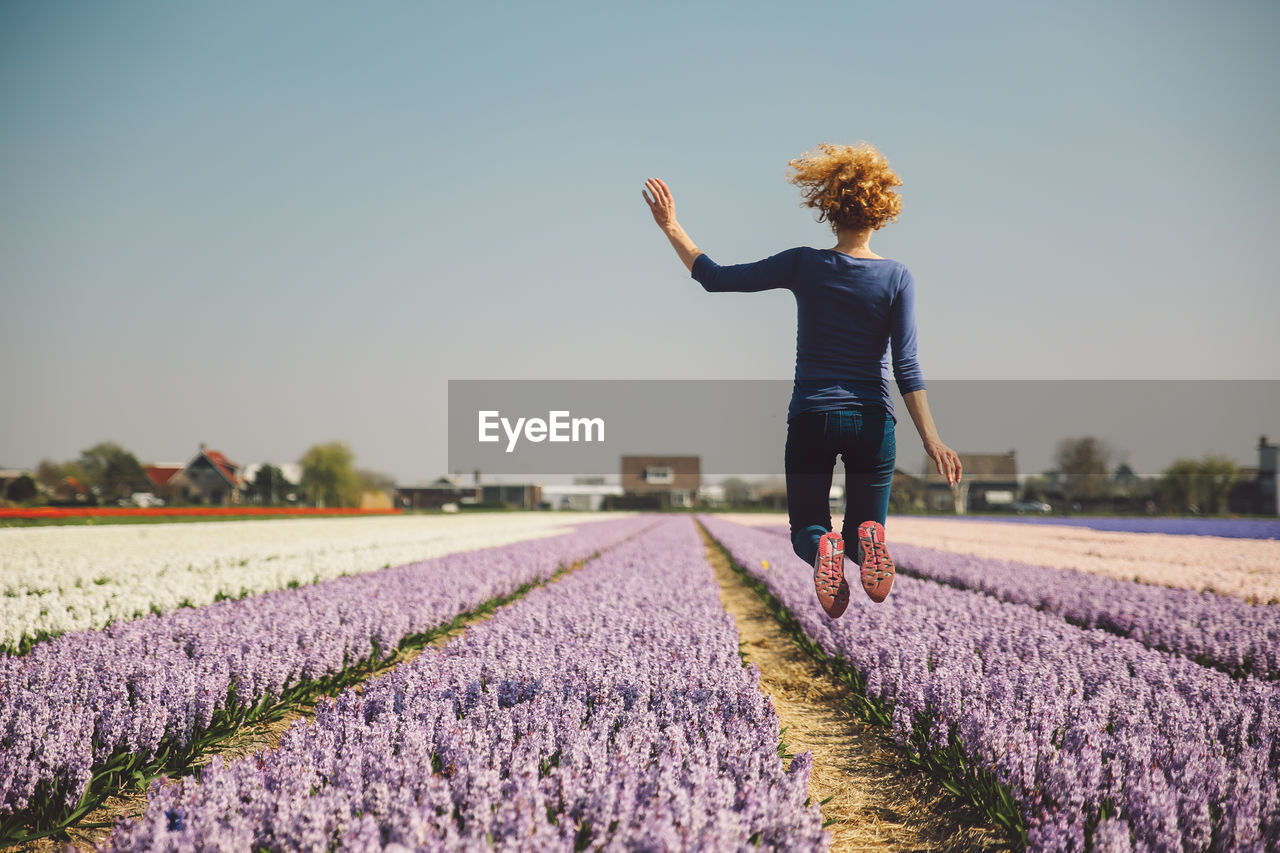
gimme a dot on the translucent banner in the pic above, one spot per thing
(739, 427)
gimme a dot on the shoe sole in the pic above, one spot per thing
(877, 567)
(828, 575)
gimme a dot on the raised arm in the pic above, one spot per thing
(663, 207)
(772, 272)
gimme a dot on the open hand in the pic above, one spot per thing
(946, 460)
(661, 204)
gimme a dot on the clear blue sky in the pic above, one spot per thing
(264, 225)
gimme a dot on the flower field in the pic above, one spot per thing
(91, 703)
(611, 707)
(1227, 564)
(1128, 737)
(1231, 528)
(59, 579)
(1240, 567)
(604, 704)
(70, 512)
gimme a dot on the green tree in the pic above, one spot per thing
(50, 474)
(1123, 479)
(1200, 486)
(1083, 464)
(1217, 475)
(269, 485)
(112, 472)
(1180, 486)
(21, 489)
(1036, 488)
(328, 475)
(736, 491)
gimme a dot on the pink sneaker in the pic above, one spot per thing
(874, 560)
(828, 574)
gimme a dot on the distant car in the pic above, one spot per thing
(1021, 507)
(144, 499)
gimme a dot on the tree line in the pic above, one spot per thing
(1089, 474)
(108, 473)
(1085, 474)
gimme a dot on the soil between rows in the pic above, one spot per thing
(878, 800)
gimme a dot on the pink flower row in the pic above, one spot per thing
(1244, 568)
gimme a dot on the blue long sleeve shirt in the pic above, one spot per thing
(851, 315)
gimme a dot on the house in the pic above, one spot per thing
(671, 481)
(512, 495)
(209, 478)
(446, 491)
(579, 496)
(989, 482)
(437, 493)
(160, 478)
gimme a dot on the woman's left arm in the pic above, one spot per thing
(663, 208)
(906, 371)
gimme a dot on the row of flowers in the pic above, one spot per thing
(607, 711)
(1248, 569)
(59, 579)
(1217, 630)
(56, 512)
(1230, 528)
(1103, 743)
(77, 709)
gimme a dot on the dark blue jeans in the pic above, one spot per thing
(863, 438)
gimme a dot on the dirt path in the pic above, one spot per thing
(878, 801)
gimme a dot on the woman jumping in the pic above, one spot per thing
(853, 308)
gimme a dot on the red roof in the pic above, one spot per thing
(75, 484)
(161, 474)
(225, 465)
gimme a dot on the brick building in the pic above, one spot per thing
(672, 480)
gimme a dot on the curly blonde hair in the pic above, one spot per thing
(849, 185)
